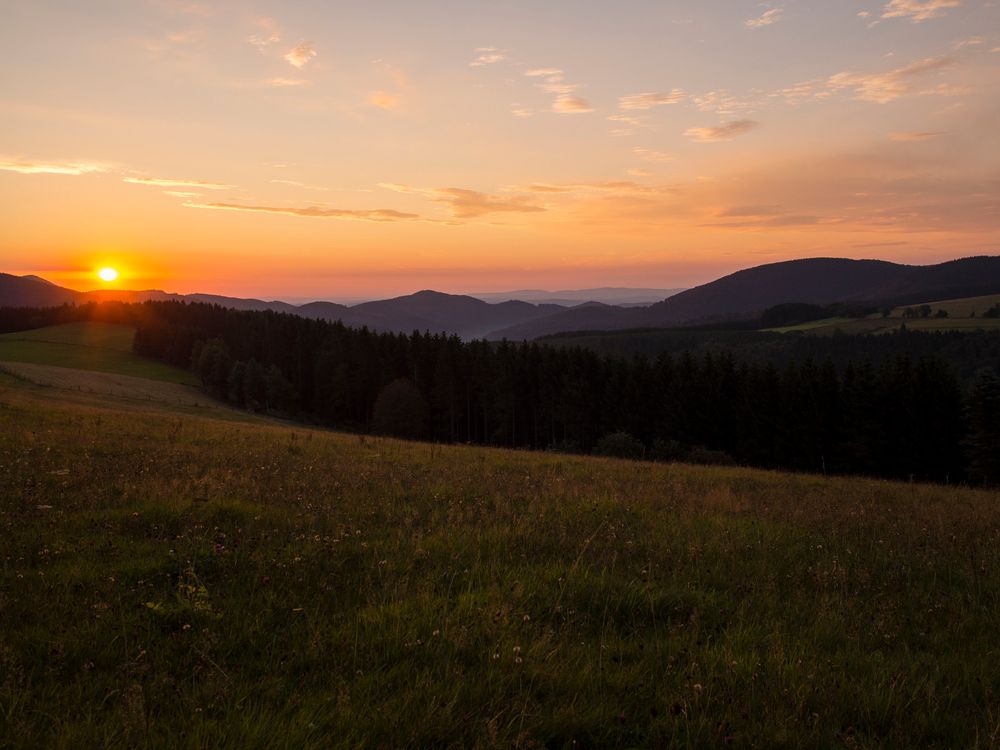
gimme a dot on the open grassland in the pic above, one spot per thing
(179, 581)
(100, 347)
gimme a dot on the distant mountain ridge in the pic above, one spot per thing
(745, 294)
(426, 310)
(741, 295)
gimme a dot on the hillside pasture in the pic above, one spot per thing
(99, 347)
(185, 582)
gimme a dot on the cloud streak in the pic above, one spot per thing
(313, 212)
(487, 56)
(886, 87)
(725, 132)
(650, 99)
(469, 204)
(300, 54)
(766, 18)
(915, 137)
(918, 10)
(164, 182)
(553, 81)
(63, 168)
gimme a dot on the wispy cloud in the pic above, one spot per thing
(656, 157)
(650, 99)
(166, 182)
(725, 104)
(972, 41)
(469, 204)
(913, 137)
(384, 99)
(487, 56)
(885, 87)
(569, 104)
(268, 34)
(300, 54)
(296, 183)
(64, 168)
(725, 132)
(918, 10)
(282, 83)
(315, 212)
(553, 81)
(766, 18)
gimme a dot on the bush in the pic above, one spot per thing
(619, 445)
(669, 450)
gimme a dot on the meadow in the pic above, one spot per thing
(94, 346)
(174, 580)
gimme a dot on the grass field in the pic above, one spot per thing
(959, 319)
(179, 581)
(101, 347)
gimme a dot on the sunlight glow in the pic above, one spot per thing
(108, 274)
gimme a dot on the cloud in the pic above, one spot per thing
(915, 137)
(766, 18)
(724, 104)
(918, 10)
(300, 54)
(725, 132)
(657, 157)
(65, 168)
(268, 36)
(284, 82)
(636, 172)
(487, 56)
(568, 104)
(650, 99)
(543, 72)
(384, 99)
(972, 41)
(553, 81)
(885, 87)
(295, 183)
(160, 182)
(468, 204)
(378, 214)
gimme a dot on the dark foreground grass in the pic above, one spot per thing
(182, 582)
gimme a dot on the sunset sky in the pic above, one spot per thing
(323, 149)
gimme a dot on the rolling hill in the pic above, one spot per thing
(746, 293)
(426, 310)
(173, 580)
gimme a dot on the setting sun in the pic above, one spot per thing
(107, 274)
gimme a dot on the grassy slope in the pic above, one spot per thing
(206, 584)
(101, 347)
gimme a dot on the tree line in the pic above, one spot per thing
(904, 417)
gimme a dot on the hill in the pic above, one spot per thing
(99, 347)
(184, 582)
(745, 294)
(464, 316)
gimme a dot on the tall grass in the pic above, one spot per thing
(174, 581)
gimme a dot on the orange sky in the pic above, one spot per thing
(304, 150)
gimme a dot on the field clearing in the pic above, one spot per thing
(187, 582)
(101, 347)
(122, 389)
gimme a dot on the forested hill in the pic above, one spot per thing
(903, 418)
(749, 292)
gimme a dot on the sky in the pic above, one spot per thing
(326, 149)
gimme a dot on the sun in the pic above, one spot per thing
(108, 274)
